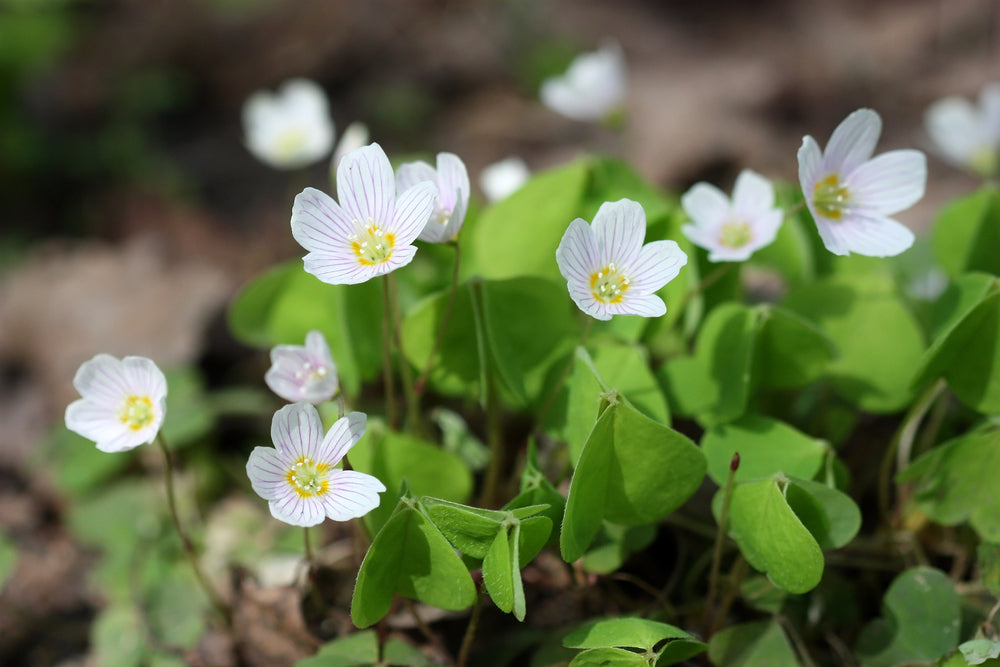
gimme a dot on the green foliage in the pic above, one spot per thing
(879, 340)
(920, 621)
(966, 351)
(8, 558)
(761, 644)
(954, 482)
(605, 641)
(632, 471)
(396, 457)
(766, 446)
(361, 649)
(410, 557)
(967, 233)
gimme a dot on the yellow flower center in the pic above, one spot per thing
(308, 478)
(985, 162)
(371, 244)
(609, 284)
(137, 412)
(735, 234)
(290, 143)
(830, 197)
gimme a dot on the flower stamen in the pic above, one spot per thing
(137, 412)
(609, 284)
(308, 478)
(830, 197)
(735, 234)
(371, 244)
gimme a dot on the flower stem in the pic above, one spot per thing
(421, 382)
(390, 394)
(902, 444)
(192, 556)
(409, 392)
(491, 404)
(470, 631)
(307, 543)
(713, 577)
(707, 282)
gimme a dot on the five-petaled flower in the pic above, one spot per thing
(592, 88)
(369, 232)
(290, 129)
(298, 477)
(502, 179)
(607, 269)
(732, 231)
(303, 373)
(851, 194)
(452, 180)
(123, 402)
(966, 135)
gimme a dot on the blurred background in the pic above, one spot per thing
(131, 211)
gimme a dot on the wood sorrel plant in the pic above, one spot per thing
(701, 454)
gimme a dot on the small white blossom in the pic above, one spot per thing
(452, 181)
(369, 232)
(502, 179)
(298, 477)
(592, 88)
(607, 269)
(123, 405)
(851, 194)
(732, 230)
(290, 129)
(967, 135)
(303, 373)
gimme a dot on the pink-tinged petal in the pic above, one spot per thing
(102, 380)
(752, 195)
(586, 302)
(703, 237)
(413, 211)
(409, 174)
(366, 186)
(810, 167)
(317, 346)
(726, 254)
(351, 495)
(765, 228)
(706, 205)
(658, 263)
(619, 228)
(644, 305)
(853, 142)
(865, 234)
(101, 424)
(338, 269)
(319, 224)
(268, 472)
(577, 254)
(295, 510)
(296, 430)
(890, 182)
(453, 181)
(343, 435)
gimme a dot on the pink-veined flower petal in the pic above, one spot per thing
(341, 437)
(867, 234)
(619, 228)
(296, 430)
(658, 263)
(413, 210)
(577, 255)
(890, 182)
(366, 185)
(352, 494)
(296, 510)
(705, 204)
(319, 224)
(852, 142)
(268, 472)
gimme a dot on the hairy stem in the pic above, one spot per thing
(192, 555)
(470, 631)
(720, 536)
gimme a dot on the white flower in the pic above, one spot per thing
(592, 88)
(306, 373)
(370, 232)
(298, 477)
(966, 135)
(123, 402)
(851, 194)
(452, 181)
(290, 129)
(502, 179)
(354, 137)
(732, 231)
(607, 269)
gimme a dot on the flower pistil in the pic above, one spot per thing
(609, 284)
(136, 412)
(830, 197)
(308, 478)
(371, 244)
